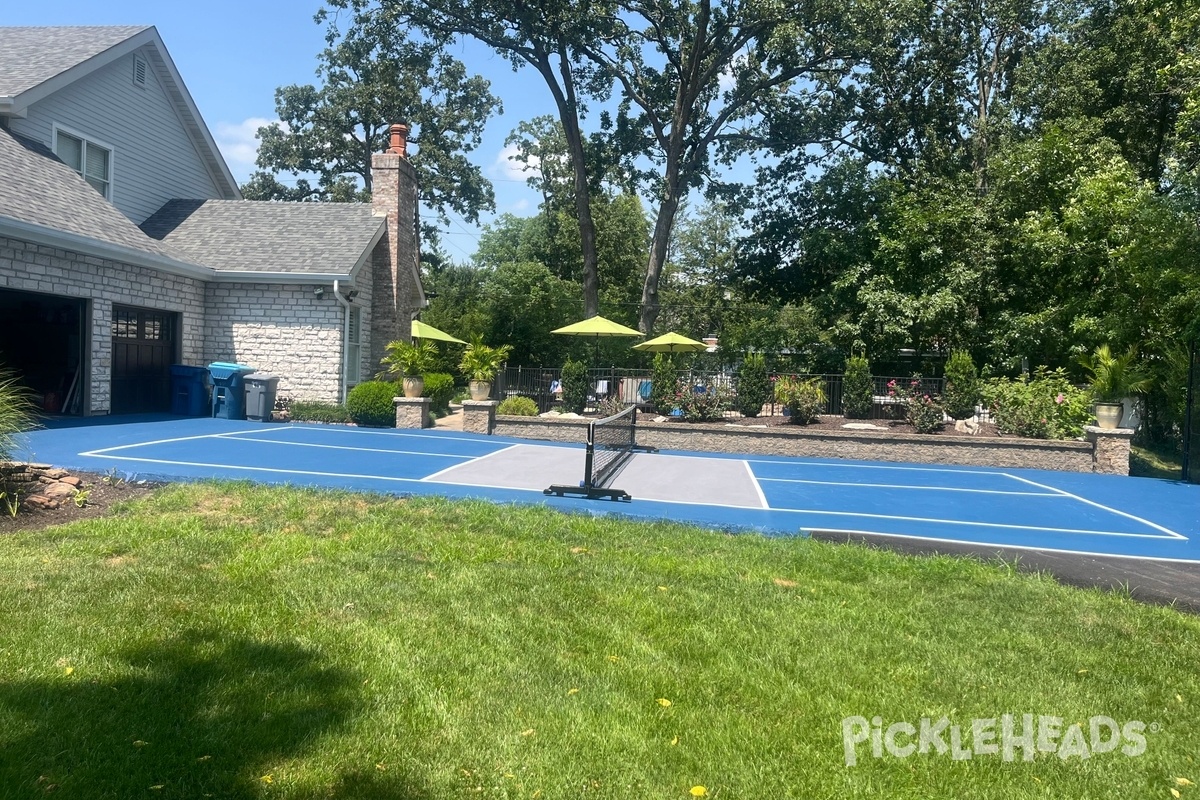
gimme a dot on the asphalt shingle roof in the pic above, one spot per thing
(265, 236)
(41, 190)
(30, 56)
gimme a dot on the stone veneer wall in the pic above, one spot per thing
(283, 329)
(1068, 456)
(394, 194)
(37, 268)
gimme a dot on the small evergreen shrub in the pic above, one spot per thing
(518, 407)
(439, 388)
(330, 413)
(574, 386)
(961, 393)
(804, 400)
(753, 385)
(857, 388)
(664, 383)
(1044, 406)
(371, 403)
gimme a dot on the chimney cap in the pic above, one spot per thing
(398, 139)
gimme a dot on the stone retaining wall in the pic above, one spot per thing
(1069, 456)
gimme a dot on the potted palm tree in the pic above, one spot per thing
(480, 363)
(1113, 378)
(412, 360)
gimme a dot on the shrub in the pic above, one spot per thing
(574, 385)
(16, 413)
(518, 407)
(305, 411)
(1044, 406)
(753, 385)
(857, 388)
(439, 388)
(370, 403)
(1115, 377)
(664, 383)
(804, 400)
(609, 406)
(407, 358)
(703, 406)
(961, 393)
(925, 413)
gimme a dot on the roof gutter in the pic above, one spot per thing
(266, 276)
(64, 240)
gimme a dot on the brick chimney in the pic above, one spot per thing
(395, 286)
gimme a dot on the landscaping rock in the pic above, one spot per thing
(863, 426)
(72, 480)
(59, 490)
(967, 426)
(40, 502)
(55, 473)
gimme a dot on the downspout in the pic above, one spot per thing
(345, 304)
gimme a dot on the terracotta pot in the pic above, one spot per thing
(1108, 415)
(480, 390)
(414, 387)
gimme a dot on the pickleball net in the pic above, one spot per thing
(611, 442)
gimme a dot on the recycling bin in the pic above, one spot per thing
(189, 390)
(260, 396)
(229, 389)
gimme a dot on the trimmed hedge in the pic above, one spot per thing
(439, 388)
(307, 411)
(518, 407)
(371, 403)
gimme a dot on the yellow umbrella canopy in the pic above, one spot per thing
(671, 343)
(596, 326)
(422, 331)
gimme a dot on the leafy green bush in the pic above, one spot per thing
(925, 413)
(439, 388)
(703, 406)
(804, 400)
(664, 383)
(1044, 406)
(857, 388)
(518, 407)
(574, 385)
(306, 411)
(961, 393)
(609, 406)
(371, 403)
(16, 413)
(753, 385)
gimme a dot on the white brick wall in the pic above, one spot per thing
(37, 268)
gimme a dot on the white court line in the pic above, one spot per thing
(477, 459)
(909, 486)
(901, 467)
(226, 435)
(790, 511)
(1102, 507)
(389, 432)
(757, 487)
(356, 449)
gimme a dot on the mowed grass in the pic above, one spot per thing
(241, 642)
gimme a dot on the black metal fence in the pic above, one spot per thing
(632, 386)
(1191, 424)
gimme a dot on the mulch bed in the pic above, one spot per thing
(102, 493)
(829, 424)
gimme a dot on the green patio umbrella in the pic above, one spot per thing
(422, 331)
(671, 343)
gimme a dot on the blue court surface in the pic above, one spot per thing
(1006, 508)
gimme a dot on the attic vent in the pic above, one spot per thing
(139, 71)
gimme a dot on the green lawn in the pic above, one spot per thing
(238, 642)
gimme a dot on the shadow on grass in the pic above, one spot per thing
(200, 715)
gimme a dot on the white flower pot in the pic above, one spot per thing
(1108, 415)
(480, 390)
(414, 387)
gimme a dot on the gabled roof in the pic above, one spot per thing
(38, 61)
(44, 200)
(237, 237)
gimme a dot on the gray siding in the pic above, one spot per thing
(154, 160)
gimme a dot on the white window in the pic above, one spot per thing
(354, 347)
(91, 160)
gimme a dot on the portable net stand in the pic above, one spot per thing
(610, 444)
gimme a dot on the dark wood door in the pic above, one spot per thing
(143, 343)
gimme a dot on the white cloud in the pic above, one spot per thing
(506, 167)
(520, 205)
(238, 144)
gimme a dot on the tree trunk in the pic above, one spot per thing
(667, 210)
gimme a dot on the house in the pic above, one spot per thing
(125, 245)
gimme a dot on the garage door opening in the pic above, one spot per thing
(144, 345)
(42, 342)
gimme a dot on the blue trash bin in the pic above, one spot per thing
(189, 390)
(229, 389)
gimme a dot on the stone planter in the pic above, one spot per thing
(1108, 415)
(480, 390)
(414, 387)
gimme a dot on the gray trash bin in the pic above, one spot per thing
(260, 396)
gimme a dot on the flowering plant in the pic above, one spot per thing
(703, 402)
(922, 408)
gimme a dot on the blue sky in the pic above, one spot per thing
(233, 55)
